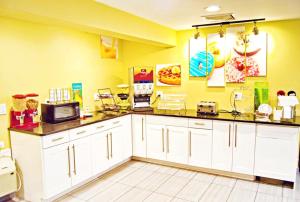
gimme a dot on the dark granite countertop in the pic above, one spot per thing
(46, 128)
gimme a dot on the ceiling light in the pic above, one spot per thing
(255, 29)
(221, 31)
(212, 8)
(197, 34)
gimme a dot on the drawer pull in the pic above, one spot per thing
(190, 143)
(168, 146)
(229, 135)
(107, 146)
(111, 146)
(69, 163)
(163, 139)
(57, 139)
(235, 140)
(116, 122)
(81, 132)
(199, 124)
(74, 160)
(99, 127)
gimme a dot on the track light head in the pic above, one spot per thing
(255, 29)
(221, 31)
(197, 34)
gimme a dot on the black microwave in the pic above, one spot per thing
(56, 113)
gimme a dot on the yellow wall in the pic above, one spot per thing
(282, 64)
(36, 57)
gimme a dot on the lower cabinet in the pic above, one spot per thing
(276, 154)
(156, 141)
(200, 147)
(138, 135)
(233, 146)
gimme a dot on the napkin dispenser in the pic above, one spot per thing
(288, 104)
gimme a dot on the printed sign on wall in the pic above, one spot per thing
(168, 75)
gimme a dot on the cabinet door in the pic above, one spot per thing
(200, 143)
(243, 148)
(222, 145)
(177, 144)
(81, 160)
(100, 152)
(156, 148)
(127, 136)
(57, 171)
(276, 153)
(138, 136)
(116, 145)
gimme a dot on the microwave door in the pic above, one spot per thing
(64, 112)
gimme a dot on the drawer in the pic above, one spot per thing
(81, 132)
(200, 132)
(277, 132)
(200, 123)
(100, 126)
(55, 139)
(169, 121)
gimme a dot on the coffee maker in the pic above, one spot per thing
(142, 86)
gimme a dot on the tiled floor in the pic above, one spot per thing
(138, 181)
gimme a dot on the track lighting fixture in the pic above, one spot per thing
(221, 31)
(255, 29)
(197, 34)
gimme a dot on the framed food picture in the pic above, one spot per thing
(108, 47)
(256, 55)
(216, 57)
(168, 75)
(197, 56)
(235, 71)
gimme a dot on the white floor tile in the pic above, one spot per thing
(185, 173)
(91, 189)
(246, 185)
(155, 197)
(270, 189)
(178, 200)
(204, 177)
(152, 167)
(111, 194)
(242, 195)
(291, 193)
(260, 197)
(172, 186)
(136, 164)
(193, 190)
(290, 200)
(69, 199)
(216, 193)
(152, 182)
(167, 170)
(225, 181)
(135, 177)
(119, 173)
(134, 195)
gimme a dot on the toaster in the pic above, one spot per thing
(207, 108)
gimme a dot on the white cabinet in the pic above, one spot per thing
(200, 147)
(222, 145)
(277, 149)
(100, 152)
(233, 146)
(126, 136)
(243, 148)
(156, 148)
(57, 169)
(81, 163)
(138, 136)
(177, 144)
(116, 145)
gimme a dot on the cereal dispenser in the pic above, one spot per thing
(17, 113)
(31, 118)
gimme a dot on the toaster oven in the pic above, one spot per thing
(207, 108)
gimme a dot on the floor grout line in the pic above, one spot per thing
(231, 190)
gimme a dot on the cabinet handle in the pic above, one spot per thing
(111, 146)
(69, 163)
(116, 122)
(74, 160)
(190, 143)
(235, 140)
(142, 128)
(168, 146)
(199, 124)
(57, 139)
(81, 132)
(107, 146)
(99, 127)
(229, 135)
(163, 139)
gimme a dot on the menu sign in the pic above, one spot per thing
(143, 74)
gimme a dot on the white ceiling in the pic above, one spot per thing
(182, 14)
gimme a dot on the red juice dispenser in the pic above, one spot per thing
(17, 113)
(31, 113)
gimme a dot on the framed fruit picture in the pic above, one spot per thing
(168, 75)
(199, 67)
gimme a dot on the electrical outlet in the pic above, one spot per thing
(2, 109)
(238, 96)
(2, 144)
(159, 93)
